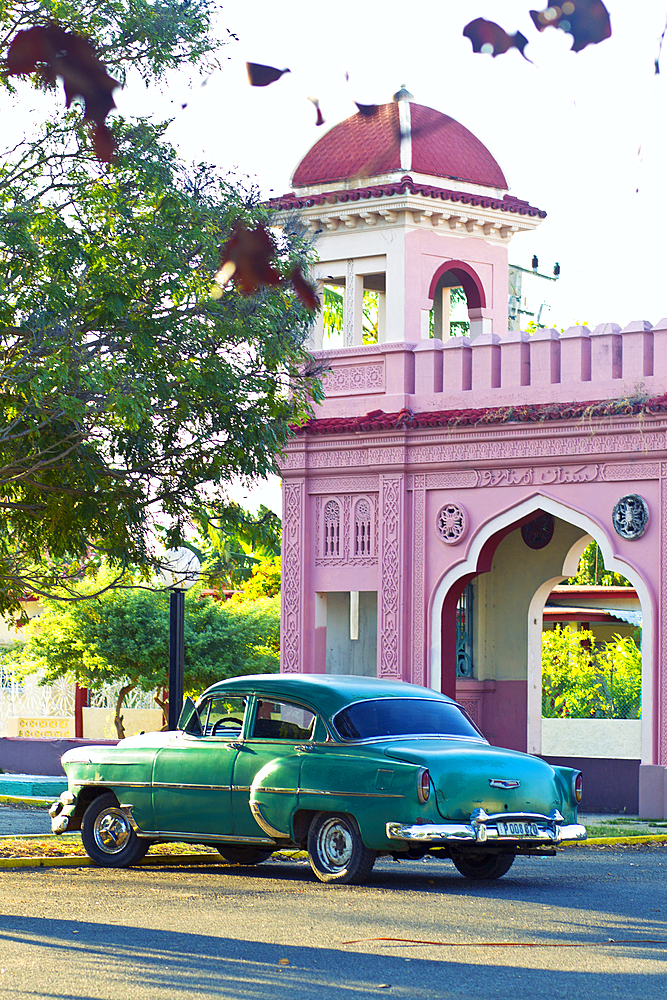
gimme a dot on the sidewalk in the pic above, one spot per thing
(32, 785)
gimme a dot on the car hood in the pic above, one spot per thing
(462, 773)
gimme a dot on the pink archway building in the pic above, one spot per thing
(449, 483)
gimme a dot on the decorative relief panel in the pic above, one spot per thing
(353, 484)
(418, 586)
(355, 457)
(348, 380)
(451, 524)
(292, 578)
(620, 473)
(347, 535)
(451, 480)
(472, 707)
(386, 456)
(390, 576)
(478, 451)
(630, 516)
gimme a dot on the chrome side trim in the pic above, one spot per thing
(203, 838)
(182, 784)
(359, 795)
(127, 809)
(111, 781)
(266, 788)
(265, 825)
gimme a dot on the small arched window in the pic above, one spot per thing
(332, 528)
(362, 528)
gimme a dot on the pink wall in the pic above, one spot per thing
(512, 370)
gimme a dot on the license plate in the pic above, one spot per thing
(518, 830)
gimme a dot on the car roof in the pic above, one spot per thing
(328, 693)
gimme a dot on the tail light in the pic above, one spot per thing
(423, 785)
(578, 785)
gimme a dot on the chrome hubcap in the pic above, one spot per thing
(112, 831)
(334, 845)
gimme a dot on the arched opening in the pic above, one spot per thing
(451, 312)
(511, 584)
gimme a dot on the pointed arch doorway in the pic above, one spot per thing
(511, 583)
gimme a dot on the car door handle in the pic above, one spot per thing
(304, 748)
(235, 746)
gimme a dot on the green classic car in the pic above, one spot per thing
(348, 768)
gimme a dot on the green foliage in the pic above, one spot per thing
(125, 388)
(127, 391)
(581, 681)
(122, 637)
(264, 581)
(333, 313)
(231, 544)
(591, 571)
(148, 36)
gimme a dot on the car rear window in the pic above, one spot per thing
(403, 717)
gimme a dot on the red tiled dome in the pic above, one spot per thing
(369, 146)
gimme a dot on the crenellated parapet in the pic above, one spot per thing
(516, 369)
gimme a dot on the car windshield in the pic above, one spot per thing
(403, 717)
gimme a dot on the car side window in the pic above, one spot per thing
(279, 720)
(223, 717)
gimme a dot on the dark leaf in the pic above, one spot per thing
(262, 76)
(586, 20)
(247, 259)
(51, 52)
(104, 143)
(319, 118)
(304, 290)
(490, 38)
(367, 110)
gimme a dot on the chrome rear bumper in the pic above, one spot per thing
(483, 828)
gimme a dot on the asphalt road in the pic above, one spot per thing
(274, 933)
(18, 819)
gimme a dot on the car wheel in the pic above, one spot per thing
(243, 855)
(336, 850)
(481, 866)
(107, 834)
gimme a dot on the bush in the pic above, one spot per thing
(583, 681)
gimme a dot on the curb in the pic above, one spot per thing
(27, 800)
(67, 861)
(648, 838)
(161, 860)
(178, 860)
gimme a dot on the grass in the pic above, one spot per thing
(69, 845)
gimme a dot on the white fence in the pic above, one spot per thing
(27, 698)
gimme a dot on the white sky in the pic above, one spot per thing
(581, 135)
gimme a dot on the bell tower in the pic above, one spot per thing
(406, 202)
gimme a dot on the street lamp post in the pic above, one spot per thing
(180, 570)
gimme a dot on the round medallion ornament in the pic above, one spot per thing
(630, 516)
(538, 533)
(452, 523)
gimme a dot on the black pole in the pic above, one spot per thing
(176, 655)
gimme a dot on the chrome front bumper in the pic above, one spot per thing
(61, 811)
(483, 828)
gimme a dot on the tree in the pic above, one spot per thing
(231, 545)
(128, 389)
(122, 638)
(591, 571)
(264, 581)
